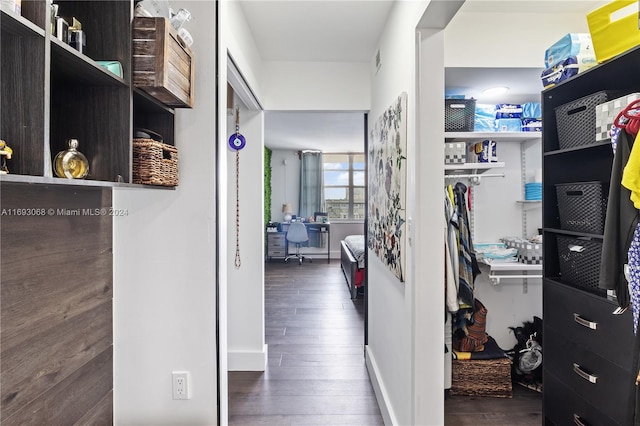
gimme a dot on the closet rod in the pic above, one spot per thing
(474, 175)
(495, 279)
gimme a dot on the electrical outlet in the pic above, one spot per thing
(181, 385)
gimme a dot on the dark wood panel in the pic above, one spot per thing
(68, 258)
(48, 358)
(107, 25)
(99, 117)
(23, 101)
(69, 401)
(100, 415)
(37, 11)
(56, 309)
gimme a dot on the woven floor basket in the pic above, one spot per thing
(154, 163)
(491, 377)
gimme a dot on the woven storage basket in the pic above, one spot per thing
(459, 115)
(154, 163)
(490, 377)
(576, 120)
(582, 206)
(580, 262)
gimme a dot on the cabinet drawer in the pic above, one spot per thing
(588, 320)
(599, 382)
(563, 407)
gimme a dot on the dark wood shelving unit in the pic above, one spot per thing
(582, 335)
(52, 92)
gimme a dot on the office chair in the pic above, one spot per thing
(297, 234)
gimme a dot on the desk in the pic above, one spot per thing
(278, 246)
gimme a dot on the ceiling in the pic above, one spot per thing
(348, 31)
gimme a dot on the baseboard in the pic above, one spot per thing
(248, 360)
(386, 410)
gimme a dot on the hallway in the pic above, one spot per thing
(316, 373)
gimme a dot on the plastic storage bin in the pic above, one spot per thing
(455, 152)
(607, 112)
(576, 120)
(582, 206)
(611, 36)
(459, 115)
(579, 260)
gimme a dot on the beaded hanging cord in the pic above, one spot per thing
(237, 259)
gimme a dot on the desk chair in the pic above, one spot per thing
(297, 234)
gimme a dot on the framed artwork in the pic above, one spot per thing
(387, 167)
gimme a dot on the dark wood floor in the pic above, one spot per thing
(316, 373)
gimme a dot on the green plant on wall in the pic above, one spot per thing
(267, 185)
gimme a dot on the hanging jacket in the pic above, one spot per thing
(451, 256)
(468, 265)
(620, 224)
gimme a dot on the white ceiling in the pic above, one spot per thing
(321, 131)
(348, 31)
(316, 30)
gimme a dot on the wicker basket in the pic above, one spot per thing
(576, 120)
(154, 163)
(490, 377)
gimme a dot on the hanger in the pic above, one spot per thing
(629, 118)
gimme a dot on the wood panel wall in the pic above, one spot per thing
(56, 336)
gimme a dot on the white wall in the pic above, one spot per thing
(316, 86)
(238, 41)
(494, 39)
(390, 348)
(164, 269)
(497, 215)
(285, 182)
(247, 350)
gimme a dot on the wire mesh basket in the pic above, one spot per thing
(459, 115)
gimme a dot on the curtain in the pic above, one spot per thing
(311, 190)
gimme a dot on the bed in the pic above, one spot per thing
(352, 254)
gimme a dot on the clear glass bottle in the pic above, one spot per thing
(71, 163)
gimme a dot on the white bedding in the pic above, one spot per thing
(356, 245)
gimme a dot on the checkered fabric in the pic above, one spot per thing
(455, 152)
(607, 112)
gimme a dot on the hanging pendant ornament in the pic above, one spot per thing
(237, 141)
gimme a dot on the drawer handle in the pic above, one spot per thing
(580, 372)
(585, 323)
(578, 420)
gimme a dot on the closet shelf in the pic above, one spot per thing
(512, 270)
(494, 136)
(43, 180)
(475, 168)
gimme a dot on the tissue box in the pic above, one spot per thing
(566, 69)
(485, 118)
(486, 151)
(572, 44)
(531, 125)
(508, 111)
(531, 110)
(455, 152)
(509, 125)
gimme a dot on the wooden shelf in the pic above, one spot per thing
(70, 65)
(19, 26)
(42, 180)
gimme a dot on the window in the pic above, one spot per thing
(344, 186)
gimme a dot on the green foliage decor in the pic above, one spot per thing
(267, 185)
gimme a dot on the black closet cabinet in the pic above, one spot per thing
(589, 358)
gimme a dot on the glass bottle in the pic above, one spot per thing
(71, 163)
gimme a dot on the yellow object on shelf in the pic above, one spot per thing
(612, 34)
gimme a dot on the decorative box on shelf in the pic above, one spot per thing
(163, 65)
(154, 163)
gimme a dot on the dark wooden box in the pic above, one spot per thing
(163, 66)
